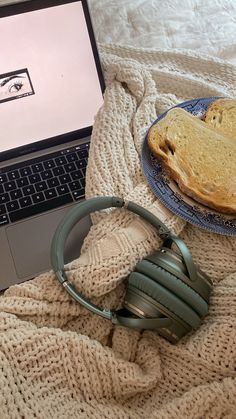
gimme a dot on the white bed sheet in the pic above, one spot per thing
(207, 26)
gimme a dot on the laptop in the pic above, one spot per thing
(51, 87)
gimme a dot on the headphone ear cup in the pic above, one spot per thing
(174, 263)
(166, 301)
(174, 284)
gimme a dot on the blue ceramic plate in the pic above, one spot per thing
(169, 193)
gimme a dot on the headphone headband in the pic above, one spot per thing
(71, 218)
(95, 204)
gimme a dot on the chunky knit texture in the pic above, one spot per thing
(58, 360)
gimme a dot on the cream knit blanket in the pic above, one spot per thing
(57, 360)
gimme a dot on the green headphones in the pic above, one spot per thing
(166, 291)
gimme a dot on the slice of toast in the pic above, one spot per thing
(221, 115)
(200, 159)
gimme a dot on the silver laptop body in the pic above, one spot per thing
(51, 87)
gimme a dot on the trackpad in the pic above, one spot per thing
(30, 242)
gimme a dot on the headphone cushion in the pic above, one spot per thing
(174, 285)
(165, 297)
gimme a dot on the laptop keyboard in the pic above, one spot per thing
(42, 184)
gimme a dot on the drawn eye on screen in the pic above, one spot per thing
(15, 85)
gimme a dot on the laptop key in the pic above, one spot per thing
(34, 178)
(2, 209)
(53, 182)
(41, 186)
(25, 202)
(83, 170)
(49, 164)
(74, 185)
(63, 189)
(78, 194)
(38, 197)
(12, 206)
(28, 190)
(81, 163)
(60, 161)
(40, 208)
(36, 168)
(22, 182)
(77, 175)
(1, 189)
(65, 178)
(57, 171)
(16, 194)
(71, 157)
(47, 174)
(3, 178)
(9, 186)
(83, 153)
(13, 175)
(26, 171)
(50, 193)
(4, 219)
(4, 198)
(70, 167)
(82, 182)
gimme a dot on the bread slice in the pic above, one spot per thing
(221, 115)
(201, 160)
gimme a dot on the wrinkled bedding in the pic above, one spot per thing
(206, 26)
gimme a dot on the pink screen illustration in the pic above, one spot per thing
(48, 78)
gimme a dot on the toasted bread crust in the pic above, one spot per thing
(221, 115)
(180, 141)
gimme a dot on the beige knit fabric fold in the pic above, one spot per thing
(57, 360)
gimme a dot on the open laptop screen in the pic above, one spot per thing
(50, 80)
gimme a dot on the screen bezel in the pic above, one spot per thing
(29, 6)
